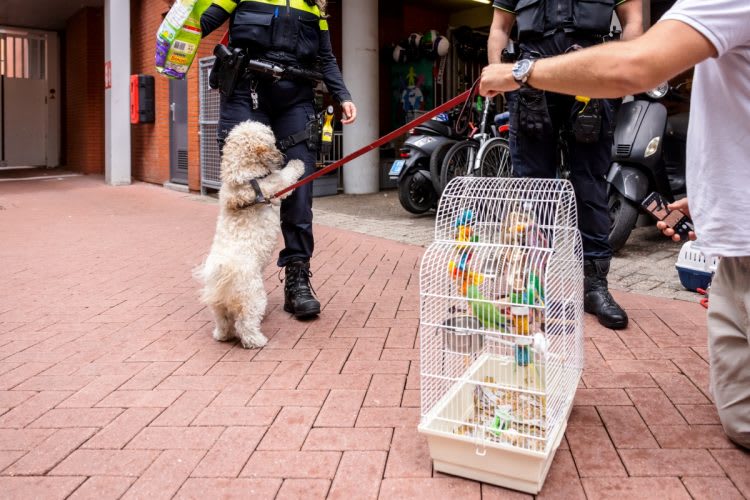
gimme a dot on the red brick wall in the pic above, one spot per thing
(149, 141)
(84, 95)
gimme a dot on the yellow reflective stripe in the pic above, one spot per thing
(323, 25)
(227, 5)
(295, 4)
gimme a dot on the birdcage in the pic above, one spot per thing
(501, 330)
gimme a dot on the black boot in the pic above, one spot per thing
(298, 294)
(597, 299)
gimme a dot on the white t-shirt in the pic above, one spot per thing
(718, 142)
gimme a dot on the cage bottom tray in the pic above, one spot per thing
(489, 461)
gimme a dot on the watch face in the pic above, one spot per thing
(520, 68)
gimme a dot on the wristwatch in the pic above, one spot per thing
(522, 71)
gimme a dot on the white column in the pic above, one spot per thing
(117, 96)
(360, 68)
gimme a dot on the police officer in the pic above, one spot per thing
(548, 28)
(291, 33)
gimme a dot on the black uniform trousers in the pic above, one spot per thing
(539, 156)
(286, 106)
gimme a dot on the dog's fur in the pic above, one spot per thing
(245, 237)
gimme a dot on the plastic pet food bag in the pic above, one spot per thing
(178, 37)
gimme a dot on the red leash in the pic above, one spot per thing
(388, 137)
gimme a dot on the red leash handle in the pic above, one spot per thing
(388, 137)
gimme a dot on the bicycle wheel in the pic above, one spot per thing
(495, 159)
(458, 161)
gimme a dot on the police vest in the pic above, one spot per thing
(539, 18)
(291, 27)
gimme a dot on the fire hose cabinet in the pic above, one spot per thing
(142, 99)
(501, 328)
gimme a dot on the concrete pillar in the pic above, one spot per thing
(117, 92)
(360, 67)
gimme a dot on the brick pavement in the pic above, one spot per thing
(111, 386)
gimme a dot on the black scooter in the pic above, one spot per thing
(428, 143)
(648, 155)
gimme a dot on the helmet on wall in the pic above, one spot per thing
(399, 54)
(412, 46)
(440, 47)
(428, 39)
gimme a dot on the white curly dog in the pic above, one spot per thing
(246, 232)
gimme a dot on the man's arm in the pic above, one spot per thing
(502, 23)
(612, 69)
(630, 14)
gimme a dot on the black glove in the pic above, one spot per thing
(533, 115)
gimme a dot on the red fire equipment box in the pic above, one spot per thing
(141, 99)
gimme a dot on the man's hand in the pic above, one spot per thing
(497, 78)
(682, 206)
(350, 112)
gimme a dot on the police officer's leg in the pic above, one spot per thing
(296, 210)
(589, 166)
(532, 155)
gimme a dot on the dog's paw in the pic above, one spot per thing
(222, 335)
(254, 341)
(296, 167)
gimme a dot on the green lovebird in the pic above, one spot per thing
(488, 314)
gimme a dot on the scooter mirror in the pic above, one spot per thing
(659, 92)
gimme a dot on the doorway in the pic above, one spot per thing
(178, 131)
(27, 99)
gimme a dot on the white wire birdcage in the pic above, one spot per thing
(501, 330)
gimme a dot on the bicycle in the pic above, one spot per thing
(484, 154)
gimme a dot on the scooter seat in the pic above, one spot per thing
(502, 118)
(436, 127)
(677, 126)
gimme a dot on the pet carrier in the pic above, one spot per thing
(501, 330)
(694, 270)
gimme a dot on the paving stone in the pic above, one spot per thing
(443, 487)
(178, 438)
(289, 429)
(165, 475)
(240, 415)
(626, 428)
(409, 455)
(230, 452)
(655, 407)
(229, 489)
(98, 487)
(105, 463)
(594, 453)
(39, 487)
(635, 487)
(720, 488)
(292, 464)
(348, 439)
(313, 489)
(340, 409)
(678, 462)
(736, 464)
(50, 452)
(358, 475)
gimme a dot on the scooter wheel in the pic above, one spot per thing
(416, 194)
(436, 165)
(623, 215)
